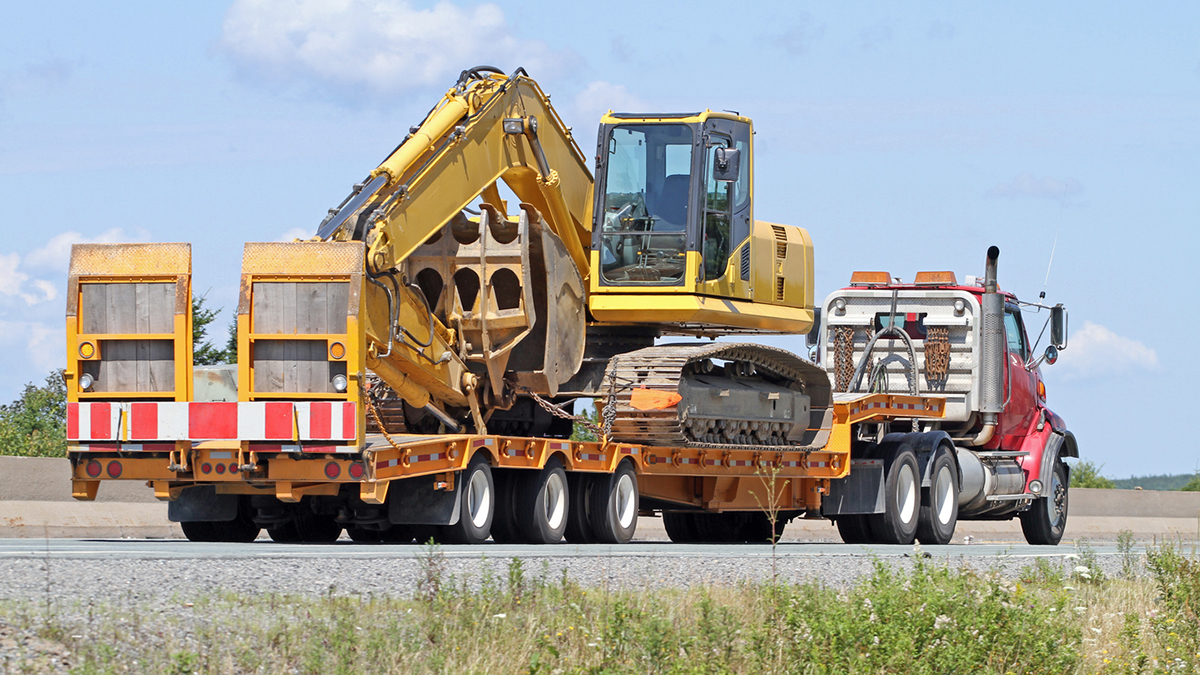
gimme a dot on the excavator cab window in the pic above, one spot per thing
(647, 187)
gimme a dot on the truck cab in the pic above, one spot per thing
(969, 343)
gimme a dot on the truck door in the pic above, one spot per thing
(1020, 395)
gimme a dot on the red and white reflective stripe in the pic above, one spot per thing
(206, 421)
(591, 457)
(481, 442)
(688, 460)
(629, 450)
(290, 447)
(559, 446)
(122, 447)
(387, 463)
(427, 458)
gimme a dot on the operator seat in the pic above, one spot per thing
(671, 205)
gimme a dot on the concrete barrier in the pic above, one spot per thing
(35, 501)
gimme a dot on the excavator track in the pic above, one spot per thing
(731, 396)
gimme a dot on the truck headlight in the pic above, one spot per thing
(1035, 486)
(86, 381)
(340, 383)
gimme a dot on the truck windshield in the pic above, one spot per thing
(646, 200)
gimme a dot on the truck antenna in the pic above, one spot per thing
(1057, 229)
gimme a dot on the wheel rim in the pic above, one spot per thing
(479, 499)
(906, 494)
(1058, 502)
(626, 499)
(554, 501)
(943, 499)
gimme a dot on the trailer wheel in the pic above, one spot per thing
(504, 523)
(199, 530)
(680, 527)
(579, 526)
(854, 529)
(939, 504)
(477, 505)
(614, 505)
(314, 528)
(543, 503)
(284, 533)
(397, 534)
(1045, 521)
(240, 530)
(902, 499)
(361, 535)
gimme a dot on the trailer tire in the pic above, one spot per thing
(361, 535)
(543, 504)
(680, 527)
(199, 530)
(614, 505)
(477, 505)
(579, 521)
(397, 534)
(314, 528)
(939, 502)
(1045, 521)
(902, 499)
(854, 529)
(504, 523)
(284, 533)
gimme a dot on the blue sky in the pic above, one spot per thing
(904, 137)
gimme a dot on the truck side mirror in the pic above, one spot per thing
(1051, 355)
(1058, 327)
(726, 164)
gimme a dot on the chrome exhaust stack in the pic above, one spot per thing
(993, 348)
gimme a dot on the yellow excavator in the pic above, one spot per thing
(473, 311)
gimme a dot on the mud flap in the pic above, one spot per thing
(416, 501)
(202, 504)
(861, 492)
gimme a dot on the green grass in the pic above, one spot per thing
(1056, 617)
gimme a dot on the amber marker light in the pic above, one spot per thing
(337, 351)
(87, 350)
(1041, 390)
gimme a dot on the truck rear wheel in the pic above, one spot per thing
(477, 508)
(854, 529)
(902, 499)
(1045, 521)
(939, 505)
(614, 505)
(543, 504)
(315, 528)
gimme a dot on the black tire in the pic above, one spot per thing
(364, 536)
(613, 505)
(476, 505)
(504, 523)
(543, 504)
(199, 530)
(680, 527)
(397, 534)
(854, 529)
(579, 526)
(756, 528)
(1046, 520)
(315, 528)
(939, 502)
(719, 528)
(284, 533)
(240, 530)
(902, 499)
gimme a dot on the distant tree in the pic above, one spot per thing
(231, 343)
(34, 425)
(1193, 485)
(1085, 474)
(203, 351)
(582, 433)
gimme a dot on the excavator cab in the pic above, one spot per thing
(673, 218)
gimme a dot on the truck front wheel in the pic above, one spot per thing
(1045, 521)
(939, 506)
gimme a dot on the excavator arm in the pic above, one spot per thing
(440, 294)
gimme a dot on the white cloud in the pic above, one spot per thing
(55, 255)
(598, 98)
(1095, 351)
(303, 233)
(11, 279)
(369, 48)
(1028, 185)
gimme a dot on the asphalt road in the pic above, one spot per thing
(176, 549)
